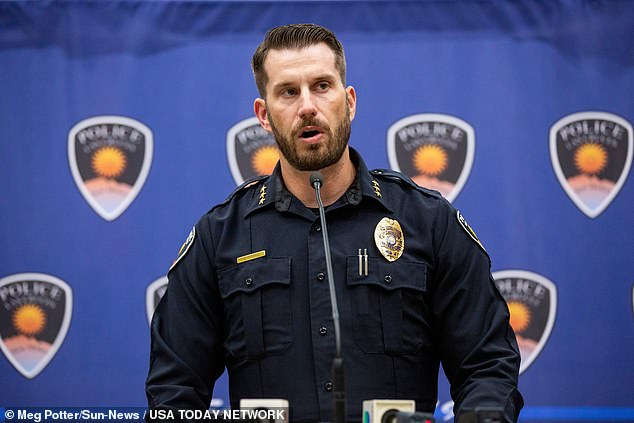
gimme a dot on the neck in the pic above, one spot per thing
(336, 180)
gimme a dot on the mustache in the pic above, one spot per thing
(311, 122)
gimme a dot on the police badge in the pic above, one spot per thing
(591, 154)
(35, 313)
(435, 150)
(251, 150)
(389, 239)
(532, 304)
(110, 158)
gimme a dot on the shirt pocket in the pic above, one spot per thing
(257, 305)
(387, 305)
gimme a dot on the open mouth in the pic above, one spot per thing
(310, 134)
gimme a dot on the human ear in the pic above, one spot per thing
(259, 108)
(351, 98)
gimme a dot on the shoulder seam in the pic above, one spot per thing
(404, 179)
(246, 184)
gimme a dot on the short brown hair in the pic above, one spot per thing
(295, 36)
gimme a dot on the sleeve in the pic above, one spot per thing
(477, 345)
(186, 354)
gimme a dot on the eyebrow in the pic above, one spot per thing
(322, 77)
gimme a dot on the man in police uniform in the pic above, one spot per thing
(249, 291)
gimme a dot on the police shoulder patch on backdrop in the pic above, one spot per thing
(185, 247)
(468, 230)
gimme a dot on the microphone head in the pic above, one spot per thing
(316, 180)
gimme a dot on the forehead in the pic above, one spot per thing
(282, 64)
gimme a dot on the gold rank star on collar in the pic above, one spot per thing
(377, 188)
(262, 195)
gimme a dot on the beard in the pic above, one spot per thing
(320, 155)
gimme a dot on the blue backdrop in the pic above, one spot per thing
(551, 203)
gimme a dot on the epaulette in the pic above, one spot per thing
(404, 179)
(399, 177)
(246, 184)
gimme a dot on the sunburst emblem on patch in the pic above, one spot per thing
(108, 162)
(430, 160)
(591, 159)
(264, 159)
(520, 316)
(29, 319)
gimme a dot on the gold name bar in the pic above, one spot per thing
(251, 256)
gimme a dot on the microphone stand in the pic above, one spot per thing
(338, 373)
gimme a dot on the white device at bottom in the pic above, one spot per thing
(276, 409)
(375, 410)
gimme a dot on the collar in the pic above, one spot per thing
(272, 190)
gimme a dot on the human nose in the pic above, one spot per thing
(307, 106)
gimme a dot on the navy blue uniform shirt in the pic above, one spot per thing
(268, 319)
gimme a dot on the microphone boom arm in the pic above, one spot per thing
(339, 393)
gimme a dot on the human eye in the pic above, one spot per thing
(323, 86)
(288, 92)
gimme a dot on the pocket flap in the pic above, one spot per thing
(395, 275)
(253, 275)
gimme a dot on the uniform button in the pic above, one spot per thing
(248, 281)
(323, 331)
(387, 279)
(321, 276)
(317, 228)
(328, 386)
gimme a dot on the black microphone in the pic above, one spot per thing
(316, 182)
(338, 373)
(482, 414)
(394, 416)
